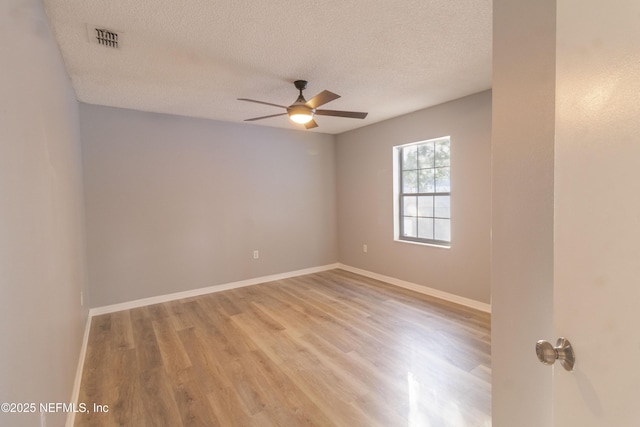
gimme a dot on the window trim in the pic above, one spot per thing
(398, 195)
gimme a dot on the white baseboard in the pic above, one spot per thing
(75, 392)
(208, 290)
(467, 302)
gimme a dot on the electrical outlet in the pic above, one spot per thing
(81, 299)
(365, 248)
(256, 254)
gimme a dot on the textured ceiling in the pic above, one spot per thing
(195, 57)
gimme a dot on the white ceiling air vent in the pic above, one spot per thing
(103, 36)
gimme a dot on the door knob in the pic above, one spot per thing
(548, 354)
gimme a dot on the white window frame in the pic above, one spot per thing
(399, 195)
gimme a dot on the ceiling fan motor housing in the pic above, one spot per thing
(300, 85)
(300, 107)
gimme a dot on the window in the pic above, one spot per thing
(423, 192)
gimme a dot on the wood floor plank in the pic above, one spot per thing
(326, 349)
(147, 351)
(292, 403)
(209, 369)
(157, 395)
(228, 408)
(194, 409)
(124, 403)
(175, 359)
(122, 330)
(179, 316)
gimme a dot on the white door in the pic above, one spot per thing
(597, 212)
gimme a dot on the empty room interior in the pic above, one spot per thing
(279, 214)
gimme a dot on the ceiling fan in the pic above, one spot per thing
(302, 111)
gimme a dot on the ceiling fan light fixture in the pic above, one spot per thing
(300, 114)
(301, 118)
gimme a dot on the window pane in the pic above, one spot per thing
(425, 228)
(443, 180)
(410, 157)
(426, 181)
(425, 206)
(410, 182)
(442, 229)
(442, 153)
(409, 206)
(409, 227)
(442, 206)
(426, 156)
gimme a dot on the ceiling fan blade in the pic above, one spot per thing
(321, 99)
(265, 117)
(336, 113)
(261, 102)
(311, 124)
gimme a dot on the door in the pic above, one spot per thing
(566, 211)
(597, 212)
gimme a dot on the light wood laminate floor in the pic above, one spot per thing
(327, 349)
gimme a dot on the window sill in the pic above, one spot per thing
(433, 245)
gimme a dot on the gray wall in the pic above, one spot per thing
(524, 51)
(365, 198)
(177, 203)
(42, 263)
